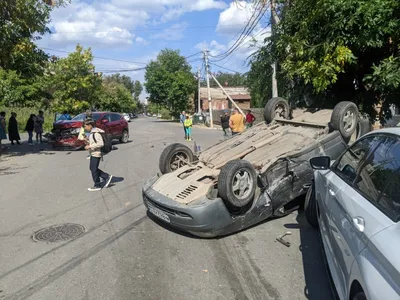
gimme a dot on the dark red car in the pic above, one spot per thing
(65, 132)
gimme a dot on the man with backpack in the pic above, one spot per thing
(95, 147)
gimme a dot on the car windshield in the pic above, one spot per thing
(82, 117)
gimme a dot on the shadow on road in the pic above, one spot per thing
(25, 149)
(316, 274)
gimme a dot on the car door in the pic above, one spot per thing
(352, 193)
(115, 124)
(104, 123)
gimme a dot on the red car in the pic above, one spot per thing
(65, 132)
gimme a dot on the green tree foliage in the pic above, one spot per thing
(233, 79)
(337, 50)
(116, 97)
(21, 23)
(123, 79)
(73, 83)
(169, 81)
(137, 90)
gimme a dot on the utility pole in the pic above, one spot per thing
(208, 87)
(198, 92)
(274, 21)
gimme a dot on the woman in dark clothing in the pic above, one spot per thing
(30, 126)
(13, 134)
(225, 123)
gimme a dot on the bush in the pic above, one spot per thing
(23, 114)
(165, 114)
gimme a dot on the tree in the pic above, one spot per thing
(21, 23)
(73, 83)
(116, 97)
(339, 50)
(169, 81)
(233, 79)
(137, 90)
(123, 79)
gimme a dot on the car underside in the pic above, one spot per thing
(243, 180)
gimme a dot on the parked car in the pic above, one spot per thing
(65, 132)
(250, 177)
(126, 117)
(133, 115)
(355, 203)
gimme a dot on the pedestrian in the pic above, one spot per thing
(250, 118)
(94, 146)
(39, 121)
(30, 126)
(182, 119)
(188, 128)
(236, 122)
(225, 123)
(3, 135)
(13, 134)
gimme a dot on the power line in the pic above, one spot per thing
(225, 68)
(145, 30)
(98, 57)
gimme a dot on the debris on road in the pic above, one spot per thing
(282, 241)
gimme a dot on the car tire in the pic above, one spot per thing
(343, 113)
(276, 106)
(125, 137)
(359, 296)
(237, 177)
(310, 207)
(172, 156)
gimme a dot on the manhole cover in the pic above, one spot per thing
(58, 233)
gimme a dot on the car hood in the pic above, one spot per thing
(67, 124)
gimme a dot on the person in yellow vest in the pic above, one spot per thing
(236, 122)
(188, 127)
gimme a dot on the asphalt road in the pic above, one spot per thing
(124, 254)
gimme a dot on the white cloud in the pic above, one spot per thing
(141, 41)
(233, 19)
(172, 33)
(214, 47)
(178, 8)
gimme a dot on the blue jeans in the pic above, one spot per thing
(188, 131)
(30, 134)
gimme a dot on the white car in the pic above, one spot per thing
(127, 117)
(355, 203)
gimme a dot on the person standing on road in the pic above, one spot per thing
(225, 123)
(250, 118)
(30, 126)
(96, 142)
(182, 119)
(188, 128)
(3, 135)
(236, 122)
(39, 121)
(13, 134)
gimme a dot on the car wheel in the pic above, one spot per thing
(125, 137)
(276, 107)
(237, 183)
(310, 207)
(359, 296)
(174, 157)
(345, 118)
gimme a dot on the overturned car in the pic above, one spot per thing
(253, 176)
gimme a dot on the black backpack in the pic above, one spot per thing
(107, 147)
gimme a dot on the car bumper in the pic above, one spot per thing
(69, 142)
(210, 218)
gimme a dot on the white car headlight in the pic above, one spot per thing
(76, 130)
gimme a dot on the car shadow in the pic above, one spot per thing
(318, 282)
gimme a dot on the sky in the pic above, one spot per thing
(127, 34)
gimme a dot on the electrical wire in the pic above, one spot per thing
(225, 68)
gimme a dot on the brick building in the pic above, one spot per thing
(240, 95)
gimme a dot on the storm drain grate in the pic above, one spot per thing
(58, 233)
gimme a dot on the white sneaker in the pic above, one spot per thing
(88, 157)
(94, 189)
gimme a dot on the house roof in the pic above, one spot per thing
(240, 97)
